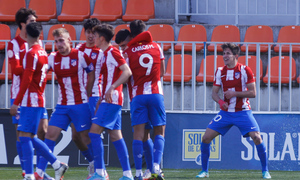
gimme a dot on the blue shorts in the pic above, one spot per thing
(148, 125)
(15, 119)
(244, 120)
(93, 103)
(148, 108)
(108, 116)
(78, 114)
(29, 119)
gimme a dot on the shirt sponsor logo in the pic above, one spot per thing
(143, 47)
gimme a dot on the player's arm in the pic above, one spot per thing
(250, 93)
(126, 73)
(162, 68)
(90, 82)
(216, 98)
(13, 59)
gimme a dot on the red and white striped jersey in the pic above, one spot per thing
(68, 70)
(235, 79)
(34, 80)
(109, 65)
(93, 53)
(144, 59)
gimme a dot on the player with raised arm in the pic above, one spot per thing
(32, 99)
(146, 61)
(114, 72)
(238, 84)
(68, 65)
(16, 50)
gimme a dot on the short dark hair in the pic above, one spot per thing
(90, 23)
(34, 29)
(105, 30)
(122, 35)
(235, 49)
(23, 14)
(137, 27)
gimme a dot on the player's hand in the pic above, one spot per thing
(108, 95)
(223, 104)
(229, 94)
(14, 110)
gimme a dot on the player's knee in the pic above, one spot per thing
(76, 137)
(206, 139)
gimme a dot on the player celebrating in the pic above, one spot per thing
(16, 50)
(238, 85)
(72, 106)
(114, 72)
(32, 99)
(146, 60)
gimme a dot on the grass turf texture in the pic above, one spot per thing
(170, 174)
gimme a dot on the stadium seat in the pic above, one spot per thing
(18, 32)
(191, 32)
(258, 34)
(288, 34)
(210, 72)
(2, 74)
(162, 32)
(284, 70)
(137, 9)
(108, 10)
(74, 10)
(69, 27)
(117, 29)
(82, 35)
(8, 9)
(4, 35)
(252, 64)
(224, 33)
(177, 68)
(298, 79)
(45, 9)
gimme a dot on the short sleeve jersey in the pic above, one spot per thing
(93, 53)
(235, 79)
(109, 65)
(36, 61)
(68, 70)
(144, 59)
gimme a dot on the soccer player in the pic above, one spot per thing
(146, 60)
(16, 50)
(93, 52)
(122, 39)
(72, 106)
(32, 99)
(238, 85)
(114, 72)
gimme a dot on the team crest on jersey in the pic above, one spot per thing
(237, 75)
(73, 62)
(93, 55)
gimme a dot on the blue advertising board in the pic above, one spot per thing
(280, 132)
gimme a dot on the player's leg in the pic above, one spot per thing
(137, 148)
(148, 150)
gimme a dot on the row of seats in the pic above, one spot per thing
(187, 59)
(196, 32)
(79, 10)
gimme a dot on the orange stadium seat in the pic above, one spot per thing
(69, 27)
(117, 29)
(18, 32)
(4, 35)
(162, 32)
(108, 10)
(284, 70)
(177, 68)
(137, 9)
(252, 64)
(288, 34)
(191, 32)
(210, 72)
(8, 9)
(74, 10)
(258, 34)
(45, 9)
(2, 74)
(224, 33)
(298, 79)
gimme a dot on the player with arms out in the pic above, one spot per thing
(238, 84)
(146, 61)
(68, 65)
(114, 72)
(32, 99)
